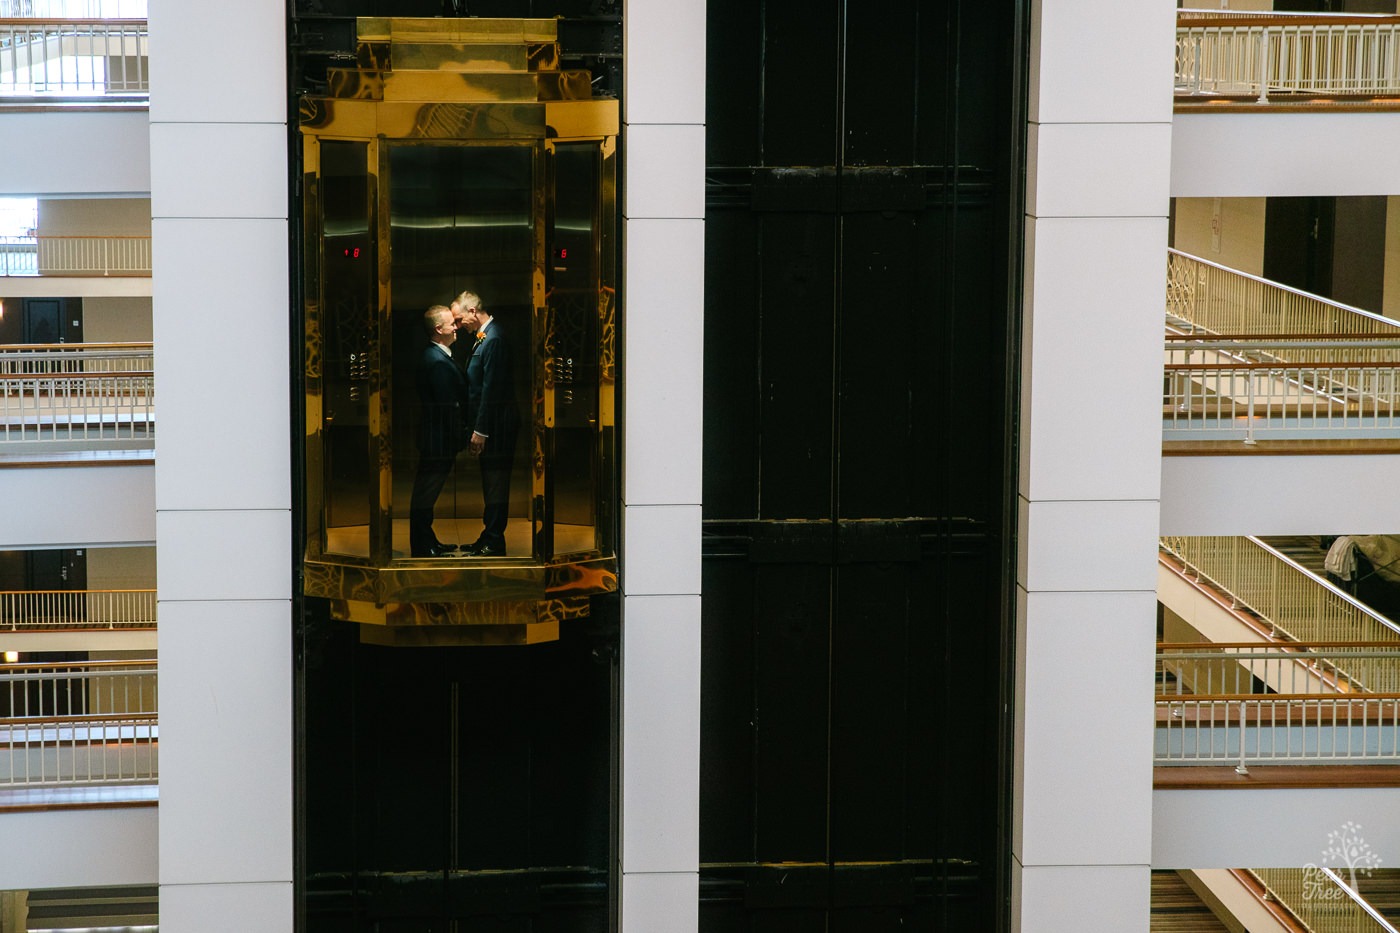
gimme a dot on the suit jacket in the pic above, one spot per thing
(491, 389)
(442, 398)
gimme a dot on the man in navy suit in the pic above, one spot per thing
(442, 400)
(492, 420)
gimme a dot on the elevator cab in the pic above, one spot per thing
(457, 156)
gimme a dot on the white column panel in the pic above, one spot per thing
(1098, 169)
(226, 739)
(664, 49)
(1079, 649)
(1278, 495)
(106, 503)
(224, 523)
(218, 170)
(225, 908)
(1053, 899)
(1236, 155)
(1133, 42)
(235, 555)
(1086, 546)
(661, 550)
(231, 341)
(257, 96)
(660, 903)
(1091, 377)
(78, 848)
(665, 171)
(660, 722)
(662, 192)
(663, 393)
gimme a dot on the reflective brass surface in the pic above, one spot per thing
(445, 82)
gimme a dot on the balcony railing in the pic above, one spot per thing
(67, 58)
(1294, 603)
(51, 610)
(1261, 54)
(1234, 669)
(75, 255)
(79, 723)
(1204, 297)
(1278, 728)
(1324, 899)
(90, 395)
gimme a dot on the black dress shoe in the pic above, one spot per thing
(485, 550)
(436, 550)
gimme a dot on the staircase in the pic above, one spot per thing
(1177, 909)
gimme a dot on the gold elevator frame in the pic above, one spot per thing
(467, 82)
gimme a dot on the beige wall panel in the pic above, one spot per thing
(1241, 231)
(116, 320)
(121, 568)
(95, 217)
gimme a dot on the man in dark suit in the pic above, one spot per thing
(442, 400)
(492, 420)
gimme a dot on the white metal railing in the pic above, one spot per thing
(54, 358)
(78, 407)
(1243, 398)
(77, 723)
(39, 610)
(1255, 56)
(73, 9)
(75, 255)
(1322, 899)
(1293, 602)
(1277, 728)
(1236, 669)
(73, 57)
(1204, 297)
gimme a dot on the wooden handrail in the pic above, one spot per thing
(76, 347)
(1199, 367)
(77, 21)
(71, 666)
(1275, 646)
(71, 376)
(77, 719)
(141, 589)
(1204, 19)
(1267, 338)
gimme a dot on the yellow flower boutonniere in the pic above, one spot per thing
(480, 336)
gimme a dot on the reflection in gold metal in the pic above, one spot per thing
(468, 81)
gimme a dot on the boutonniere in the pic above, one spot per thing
(480, 336)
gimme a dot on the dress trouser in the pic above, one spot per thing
(427, 486)
(497, 461)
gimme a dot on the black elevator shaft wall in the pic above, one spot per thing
(862, 248)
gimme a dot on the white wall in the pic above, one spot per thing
(94, 217)
(105, 503)
(83, 152)
(1234, 155)
(1250, 494)
(223, 500)
(1097, 203)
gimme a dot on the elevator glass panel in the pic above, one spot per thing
(460, 219)
(574, 345)
(349, 344)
